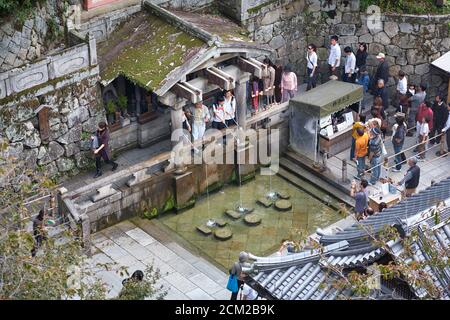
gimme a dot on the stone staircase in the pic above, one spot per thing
(294, 170)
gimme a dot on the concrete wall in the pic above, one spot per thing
(139, 188)
(410, 42)
(141, 135)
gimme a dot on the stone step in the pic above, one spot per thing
(297, 177)
(329, 177)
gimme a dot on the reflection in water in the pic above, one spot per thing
(306, 215)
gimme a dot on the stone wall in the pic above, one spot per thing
(103, 25)
(186, 5)
(74, 109)
(410, 42)
(25, 43)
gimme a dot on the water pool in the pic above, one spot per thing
(306, 215)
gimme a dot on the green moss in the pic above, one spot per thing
(169, 204)
(186, 205)
(246, 178)
(147, 58)
(215, 186)
(150, 214)
(259, 7)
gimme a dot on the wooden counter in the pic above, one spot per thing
(336, 143)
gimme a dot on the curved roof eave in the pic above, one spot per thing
(204, 55)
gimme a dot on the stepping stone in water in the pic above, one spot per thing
(265, 202)
(283, 195)
(233, 214)
(283, 205)
(221, 223)
(252, 219)
(223, 234)
(204, 229)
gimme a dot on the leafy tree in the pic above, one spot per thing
(412, 272)
(59, 270)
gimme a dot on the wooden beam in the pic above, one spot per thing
(219, 79)
(212, 62)
(184, 92)
(198, 92)
(249, 66)
(223, 73)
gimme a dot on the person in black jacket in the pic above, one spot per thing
(412, 178)
(381, 91)
(382, 70)
(361, 57)
(440, 115)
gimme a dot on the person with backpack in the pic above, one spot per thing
(375, 152)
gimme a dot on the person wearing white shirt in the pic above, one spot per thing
(350, 66)
(219, 114)
(311, 66)
(229, 108)
(334, 59)
(402, 85)
(247, 293)
(423, 130)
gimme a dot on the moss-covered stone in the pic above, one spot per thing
(169, 204)
(145, 51)
(150, 214)
(185, 206)
(258, 8)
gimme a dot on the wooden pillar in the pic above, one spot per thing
(240, 92)
(448, 91)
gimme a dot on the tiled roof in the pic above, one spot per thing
(430, 236)
(309, 275)
(405, 209)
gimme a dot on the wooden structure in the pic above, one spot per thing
(443, 65)
(309, 110)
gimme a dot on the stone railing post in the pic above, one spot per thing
(324, 159)
(92, 48)
(86, 233)
(344, 171)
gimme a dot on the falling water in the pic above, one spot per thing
(272, 195)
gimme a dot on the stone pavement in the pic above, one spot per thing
(136, 243)
(125, 159)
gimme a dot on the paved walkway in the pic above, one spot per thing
(125, 159)
(137, 243)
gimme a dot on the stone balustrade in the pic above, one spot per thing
(54, 66)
